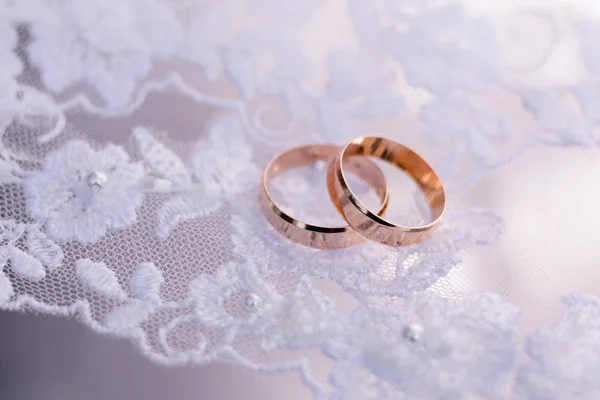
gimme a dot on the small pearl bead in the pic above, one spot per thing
(96, 180)
(251, 302)
(413, 332)
(319, 165)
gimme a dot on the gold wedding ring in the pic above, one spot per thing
(358, 216)
(313, 235)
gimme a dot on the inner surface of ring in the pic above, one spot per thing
(407, 160)
(307, 155)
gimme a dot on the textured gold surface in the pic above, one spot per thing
(368, 223)
(321, 237)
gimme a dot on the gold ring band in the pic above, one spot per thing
(313, 235)
(359, 217)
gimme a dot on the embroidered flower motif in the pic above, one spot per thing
(475, 138)
(210, 32)
(81, 193)
(27, 250)
(312, 318)
(443, 50)
(145, 285)
(189, 202)
(219, 170)
(235, 298)
(108, 44)
(563, 361)
(423, 347)
(99, 279)
(225, 167)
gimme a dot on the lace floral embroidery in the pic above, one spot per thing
(28, 263)
(257, 303)
(225, 167)
(112, 53)
(425, 346)
(81, 193)
(560, 362)
(218, 171)
(271, 75)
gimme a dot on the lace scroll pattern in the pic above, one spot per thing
(158, 238)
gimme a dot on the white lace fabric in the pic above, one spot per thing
(133, 137)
